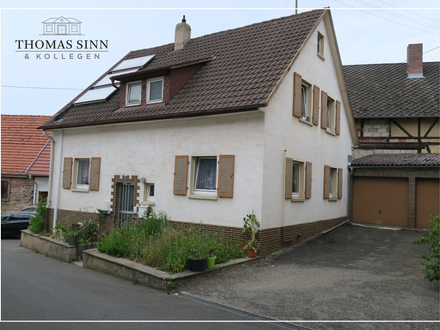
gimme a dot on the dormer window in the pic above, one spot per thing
(134, 90)
(155, 90)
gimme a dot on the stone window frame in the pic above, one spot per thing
(8, 193)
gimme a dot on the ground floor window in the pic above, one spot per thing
(6, 189)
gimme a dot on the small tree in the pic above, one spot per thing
(37, 222)
(432, 262)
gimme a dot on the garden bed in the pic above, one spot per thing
(52, 247)
(141, 274)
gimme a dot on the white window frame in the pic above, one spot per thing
(74, 28)
(331, 113)
(150, 192)
(49, 28)
(306, 104)
(301, 180)
(149, 81)
(79, 186)
(333, 180)
(195, 173)
(127, 94)
(320, 46)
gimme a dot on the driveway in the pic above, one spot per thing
(352, 273)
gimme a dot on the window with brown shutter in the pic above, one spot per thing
(338, 118)
(95, 168)
(67, 172)
(226, 176)
(316, 92)
(297, 83)
(326, 181)
(180, 175)
(288, 178)
(339, 183)
(308, 188)
(324, 97)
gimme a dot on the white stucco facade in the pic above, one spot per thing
(257, 139)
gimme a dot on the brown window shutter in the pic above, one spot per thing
(308, 192)
(95, 170)
(326, 181)
(226, 176)
(324, 123)
(288, 178)
(316, 91)
(67, 172)
(180, 175)
(297, 82)
(339, 182)
(338, 118)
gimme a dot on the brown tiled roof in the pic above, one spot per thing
(384, 90)
(247, 64)
(398, 160)
(25, 150)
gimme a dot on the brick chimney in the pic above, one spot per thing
(183, 34)
(414, 62)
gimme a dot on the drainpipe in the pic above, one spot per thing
(52, 150)
(35, 189)
(60, 170)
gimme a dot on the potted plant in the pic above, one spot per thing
(250, 229)
(197, 254)
(211, 259)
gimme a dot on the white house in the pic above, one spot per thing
(251, 120)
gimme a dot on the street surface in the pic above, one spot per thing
(37, 288)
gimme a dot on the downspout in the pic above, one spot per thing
(52, 150)
(35, 189)
(60, 170)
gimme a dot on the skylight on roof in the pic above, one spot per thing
(106, 80)
(96, 95)
(134, 63)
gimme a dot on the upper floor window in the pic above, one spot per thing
(320, 45)
(155, 90)
(306, 101)
(330, 114)
(134, 90)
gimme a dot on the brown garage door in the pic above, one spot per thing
(427, 201)
(382, 201)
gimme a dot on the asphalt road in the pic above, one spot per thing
(37, 288)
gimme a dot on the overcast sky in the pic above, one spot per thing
(368, 31)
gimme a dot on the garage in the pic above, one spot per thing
(381, 201)
(427, 201)
(399, 190)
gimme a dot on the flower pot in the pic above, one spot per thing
(251, 253)
(72, 240)
(197, 265)
(211, 262)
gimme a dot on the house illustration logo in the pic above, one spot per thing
(61, 26)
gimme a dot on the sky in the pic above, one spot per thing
(367, 31)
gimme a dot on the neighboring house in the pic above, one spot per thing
(61, 26)
(251, 120)
(25, 161)
(396, 106)
(396, 189)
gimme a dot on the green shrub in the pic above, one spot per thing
(36, 225)
(432, 262)
(151, 241)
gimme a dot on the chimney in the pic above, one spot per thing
(183, 34)
(414, 62)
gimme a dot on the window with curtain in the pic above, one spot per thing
(205, 173)
(83, 172)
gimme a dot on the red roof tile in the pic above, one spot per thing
(22, 145)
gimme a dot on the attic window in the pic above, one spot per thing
(134, 93)
(155, 90)
(320, 46)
